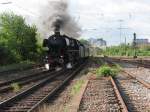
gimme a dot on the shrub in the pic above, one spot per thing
(16, 87)
(106, 71)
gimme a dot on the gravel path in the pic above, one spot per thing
(136, 96)
(99, 97)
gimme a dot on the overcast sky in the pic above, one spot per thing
(97, 18)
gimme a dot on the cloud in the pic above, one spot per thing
(104, 15)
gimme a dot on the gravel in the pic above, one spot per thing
(99, 97)
(136, 96)
(139, 72)
(142, 73)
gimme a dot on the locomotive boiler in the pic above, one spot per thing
(63, 51)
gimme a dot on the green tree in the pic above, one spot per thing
(17, 38)
(83, 41)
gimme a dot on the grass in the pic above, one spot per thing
(106, 70)
(65, 109)
(16, 87)
(76, 87)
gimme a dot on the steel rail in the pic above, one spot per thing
(144, 83)
(57, 88)
(28, 91)
(34, 88)
(21, 78)
(25, 81)
(124, 107)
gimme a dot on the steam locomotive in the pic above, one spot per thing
(63, 51)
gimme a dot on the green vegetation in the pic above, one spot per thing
(65, 109)
(106, 70)
(126, 50)
(83, 41)
(15, 87)
(76, 87)
(18, 40)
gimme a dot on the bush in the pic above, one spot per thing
(16, 87)
(106, 71)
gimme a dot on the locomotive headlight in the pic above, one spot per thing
(47, 66)
(61, 61)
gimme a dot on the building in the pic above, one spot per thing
(100, 43)
(142, 42)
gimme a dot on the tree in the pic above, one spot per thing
(83, 41)
(17, 37)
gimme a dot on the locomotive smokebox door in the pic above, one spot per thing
(45, 42)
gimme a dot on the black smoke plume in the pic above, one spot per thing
(56, 17)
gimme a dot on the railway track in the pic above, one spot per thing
(134, 93)
(7, 85)
(122, 94)
(31, 98)
(20, 69)
(23, 78)
(7, 89)
(143, 82)
(138, 63)
(102, 95)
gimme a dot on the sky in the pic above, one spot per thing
(112, 20)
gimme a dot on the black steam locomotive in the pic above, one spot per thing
(63, 51)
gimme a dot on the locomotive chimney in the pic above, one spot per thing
(57, 26)
(57, 30)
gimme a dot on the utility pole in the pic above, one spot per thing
(121, 28)
(125, 40)
(134, 45)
